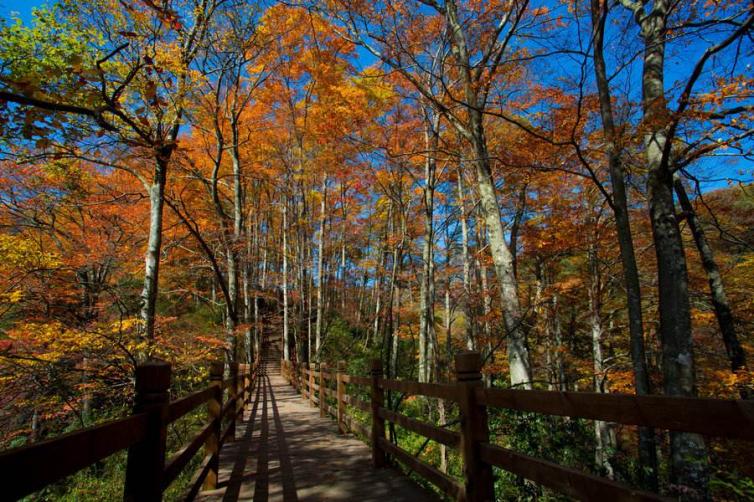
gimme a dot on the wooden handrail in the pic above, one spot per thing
(35, 466)
(438, 434)
(176, 464)
(438, 478)
(357, 403)
(187, 404)
(438, 390)
(569, 481)
(356, 380)
(713, 417)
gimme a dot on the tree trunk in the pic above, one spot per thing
(235, 243)
(231, 307)
(427, 290)
(557, 338)
(647, 447)
(154, 247)
(320, 263)
(259, 321)
(725, 319)
(467, 308)
(602, 433)
(251, 248)
(688, 451)
(518, 353)
(286, 334)
(379, 278)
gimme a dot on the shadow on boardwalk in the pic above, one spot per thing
(285, 452)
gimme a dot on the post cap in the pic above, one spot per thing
(216, 369)
(376, 366)
(153, 376)
(468, 365)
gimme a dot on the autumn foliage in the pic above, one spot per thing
(184, 179)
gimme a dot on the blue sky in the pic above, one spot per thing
(23, 7)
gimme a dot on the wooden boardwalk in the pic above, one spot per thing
(284, 451)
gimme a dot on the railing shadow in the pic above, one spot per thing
(262, 483)
(287, 479)
(237, 475)
(265, 408)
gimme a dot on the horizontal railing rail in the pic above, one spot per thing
(713, 417)
(148, 473)
(33, 467)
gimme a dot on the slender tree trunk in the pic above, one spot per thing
(154, 247)
(262, 286)
(602, 432)
(390, 325)
(426, 295)
(306, 298)
(647, 447)
(344, 229)
(725, 319)
(286, 334)
(688, 451)
(443, 449)
(364, 279)
(320, 266)
(34, 436)
(518, 353)
(231, 307)
(234, 248)
(395, 296)
(249, 319)
(557, 338)
(395, 341)
(466, 258)
(541, 312)
(379, 278)
(481, 266)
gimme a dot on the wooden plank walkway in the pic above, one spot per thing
(284, 451)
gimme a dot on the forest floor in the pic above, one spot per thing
(284, 451)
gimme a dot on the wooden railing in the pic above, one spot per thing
(148, 473)
(712, 417)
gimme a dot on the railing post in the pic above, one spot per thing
(303, 380)
(240, 391)
(214, 408)
(378, 424)
(300, 379)
(322, 396)
(312, 369)
(146, 460)
(298, 371)
(233, 393)
(340, 392)
(478, 482)
(247, 374)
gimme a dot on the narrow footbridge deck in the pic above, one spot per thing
(285, 451)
